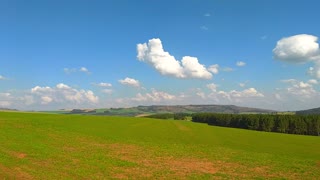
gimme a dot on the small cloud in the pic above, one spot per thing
(213, 87)
(214, 69)
(84, 69)
(130, 82)
(103, 84)
(241, 63)
(205, 28)
(242, 84)
(207, 15)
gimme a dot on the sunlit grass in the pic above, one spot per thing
(42, 146)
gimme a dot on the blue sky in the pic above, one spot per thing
(54, 54)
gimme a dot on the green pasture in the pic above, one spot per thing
(53, 146)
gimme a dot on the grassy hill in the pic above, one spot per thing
(156, 109)
(52, 146)
(309, 111)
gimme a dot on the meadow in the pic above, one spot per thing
(53, 146)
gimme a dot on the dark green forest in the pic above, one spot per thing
(291, 124)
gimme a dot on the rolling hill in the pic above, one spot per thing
(309, 111)
(155, 109)
(55, 146)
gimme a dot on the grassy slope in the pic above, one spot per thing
(42, 146)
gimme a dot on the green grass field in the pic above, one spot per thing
(50, 146)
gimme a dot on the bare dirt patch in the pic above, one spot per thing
(151, 164)
(181, 127)
(14, 173)
(21, 155)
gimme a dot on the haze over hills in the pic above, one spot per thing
(154, 109)
(309, 111)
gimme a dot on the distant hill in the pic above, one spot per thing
(309, 111)
(155, 109)
(7, 109)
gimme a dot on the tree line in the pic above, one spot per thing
(291, 124)
(175, 116)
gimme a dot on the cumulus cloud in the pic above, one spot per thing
(192, 68)
(5, 100)
(130, 82)
(63, 93)
(241, 63)
(301, 49)
(154, 96)
(154, 54)
(46, 100)
(74, 70)
(213, 87)
(297, 49)
(214, 68)
(302, 89)
(84, 69)
(315, 71)
(242, 84)
(232, 96)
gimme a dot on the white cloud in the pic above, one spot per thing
(213, 87)
(84, 69)
(301, 89)
(297, 49)
(5, 104)
(242, 84)
(5, 100)
(205, 28)
(46, 100)
(214, 69)
(241, 63)
(154, 54)
(207, 15)
(232, 96)
(74, 70)
(62, 94)
(300, 48)
(130, 82)
(313, 81)
(315, 71)
(154, 96)
(193, 68)
(103, 84)
(201, 94)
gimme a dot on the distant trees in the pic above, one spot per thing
(175, 116)
(292, 124)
